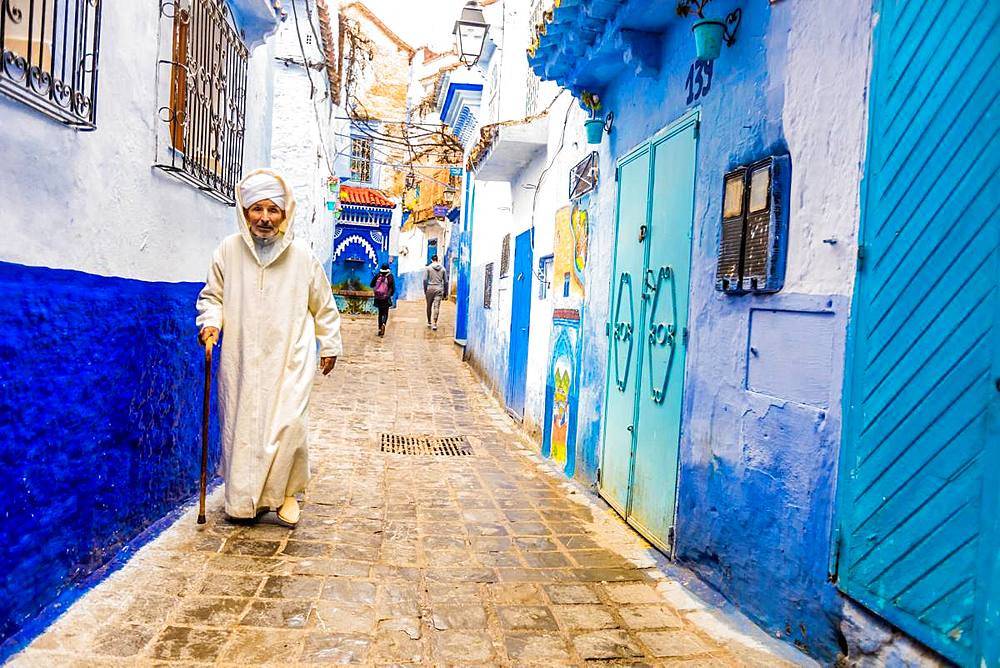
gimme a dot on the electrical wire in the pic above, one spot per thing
(541, 176)
(312, 91)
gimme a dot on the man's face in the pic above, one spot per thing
(264, 218)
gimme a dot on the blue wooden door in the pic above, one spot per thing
(520, 319)
(647, 331)
(664, 335)
(919, 482)
(624, 328)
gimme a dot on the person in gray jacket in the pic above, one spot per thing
(435, 289)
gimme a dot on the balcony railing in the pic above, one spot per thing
(49, 58)
(203, 85)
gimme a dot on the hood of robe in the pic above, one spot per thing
(285, 235)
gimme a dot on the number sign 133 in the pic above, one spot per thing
(699, 80)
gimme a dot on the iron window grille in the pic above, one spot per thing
(203, 112)
(505, 256)
(531, 99)
(361, 159)
(49, 57)
(488, 286)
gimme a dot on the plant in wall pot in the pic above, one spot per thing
(593, 125)
(710, 32)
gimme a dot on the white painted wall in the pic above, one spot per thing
(91, 200)
(304, 142)
(531, 200)
(825, 121)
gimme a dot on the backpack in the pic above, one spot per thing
(382, 287)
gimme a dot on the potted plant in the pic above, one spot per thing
(709, 33)
(593, 125)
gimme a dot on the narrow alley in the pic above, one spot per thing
(486, 559)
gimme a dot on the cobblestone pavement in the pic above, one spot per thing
(483, 560)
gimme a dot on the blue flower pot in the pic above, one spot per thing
(708, 36)
(595, 129)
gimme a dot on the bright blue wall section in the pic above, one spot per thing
(100, 423)
(757, 471)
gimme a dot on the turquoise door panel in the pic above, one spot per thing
(920, 470)
(647, 331)
(624, 337)
(665, 289)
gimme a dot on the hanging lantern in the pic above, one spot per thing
(470, 33)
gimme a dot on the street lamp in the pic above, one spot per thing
(470, 33)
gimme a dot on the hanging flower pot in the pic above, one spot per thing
(708, 37)
(595, 129)
(709, 33)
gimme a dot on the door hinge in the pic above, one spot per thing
(861, 256)
(697, 129)
(617, 171)
(838, 544)
(684, 336)
(607, 329)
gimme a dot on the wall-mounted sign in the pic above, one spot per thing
(583, 176)
(454, 171)
(699, 80)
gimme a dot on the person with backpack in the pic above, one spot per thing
(384, 285)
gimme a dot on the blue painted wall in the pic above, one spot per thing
(100, 424)
(757, 471)
(358, 252)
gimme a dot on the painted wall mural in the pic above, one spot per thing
(563, 377)
(561, 390)
(570, 252)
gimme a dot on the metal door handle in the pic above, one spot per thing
(629, 427)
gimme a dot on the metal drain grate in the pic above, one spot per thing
(418, 444)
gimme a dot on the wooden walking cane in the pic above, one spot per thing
(204, 431)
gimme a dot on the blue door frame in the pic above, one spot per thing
(918, 534)
(520, 321)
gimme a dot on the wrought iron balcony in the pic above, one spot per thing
(49, 57)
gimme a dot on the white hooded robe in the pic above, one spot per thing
(271, 316)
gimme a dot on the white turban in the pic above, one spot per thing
(257, 187)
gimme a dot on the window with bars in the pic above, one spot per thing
(531, 99)
(505, 256)
(488, 286)
(204, 97)
(492, 107)
(361, 159)
(48, 57)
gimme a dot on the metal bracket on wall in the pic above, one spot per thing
(734, 19)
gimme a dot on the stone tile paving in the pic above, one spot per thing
(488, 560)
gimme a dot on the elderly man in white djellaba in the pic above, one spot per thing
(270, 297)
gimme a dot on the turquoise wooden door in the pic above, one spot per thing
(648, 327)
(664, 335)
(624, 336)
(919, 478)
